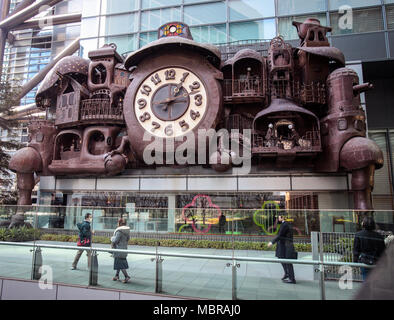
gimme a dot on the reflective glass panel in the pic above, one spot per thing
(205, 13)
(118, 6)
(146, 4)
(118, 24)
(336, 4)
(264, 29)
(152, 20)
(147, 37)
(89, 27)
(365, 20)
(251, 9)
(289, 32)
(210, 34)
(290, 7)
(90, 8)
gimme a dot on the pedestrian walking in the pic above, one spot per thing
(120, 240)
(285, 249)
(368, 245)
(222, 222)
(84, 240)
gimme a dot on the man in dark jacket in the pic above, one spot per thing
(368, 245)
(285, 249)
(222, 222)
(85, 240)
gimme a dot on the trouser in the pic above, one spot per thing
(289, 270)
(364, 273)
(123, 271)
(78, 255)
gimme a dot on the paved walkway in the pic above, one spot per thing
(201, 278)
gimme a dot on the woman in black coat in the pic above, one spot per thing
(285, 249)
(368, 245)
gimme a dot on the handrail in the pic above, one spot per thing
(35, 207)
(193, 256)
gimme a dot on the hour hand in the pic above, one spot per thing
(165, 101)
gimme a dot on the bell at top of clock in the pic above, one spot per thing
(174, 29)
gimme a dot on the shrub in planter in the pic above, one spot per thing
(19, 234)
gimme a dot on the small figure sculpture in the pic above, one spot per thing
(270, 137)
(294, 136)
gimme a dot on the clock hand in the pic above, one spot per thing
(179, 85)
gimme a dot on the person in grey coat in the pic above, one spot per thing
(120, 240)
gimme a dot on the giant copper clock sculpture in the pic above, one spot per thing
(174, 91)
(301, 104)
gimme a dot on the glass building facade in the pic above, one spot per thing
(33, 49)
(132, 24)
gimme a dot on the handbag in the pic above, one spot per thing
(294, 255)
(83, 243)
(367, 259)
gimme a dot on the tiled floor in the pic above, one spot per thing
(201, 278)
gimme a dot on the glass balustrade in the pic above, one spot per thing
(199, 251)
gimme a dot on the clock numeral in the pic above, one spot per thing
(194, 115)
(195, 86)
(170, 74)
(155, 126)
(146, 90)
(184, 125)
(156, 79)
(145, 117)
(185, 75)
(168, 130)
(198, 100)
(141, 103)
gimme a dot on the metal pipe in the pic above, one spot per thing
(55, 20)
(3, 39)
(29, 12)
(24, 4)
(74, 46)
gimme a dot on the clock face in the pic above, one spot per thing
(170, 102)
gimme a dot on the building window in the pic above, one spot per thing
(291, 7)
(147, 4)
(205, 13)
(91, 8)
(336, 4)
(251, 9)
(119, 24)
(118, 6)
(152, 20)
(365, 20)
(124, 44)
(289, 32)
(264, 29)
(89, 27)
(390, 16)
(146, 38)
(210, 34)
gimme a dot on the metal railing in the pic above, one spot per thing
(231, 261)
(100, 109)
